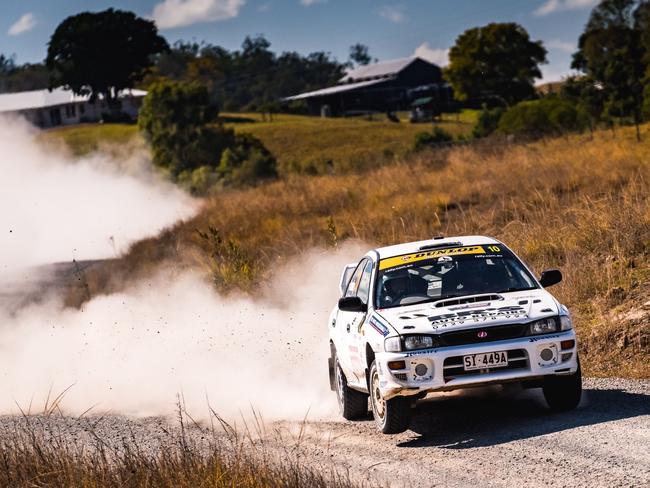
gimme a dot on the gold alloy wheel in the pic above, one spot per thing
(339, 385)
(378, 403)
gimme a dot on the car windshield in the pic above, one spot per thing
(436, 274)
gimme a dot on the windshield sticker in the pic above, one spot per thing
(376, 324)
(433, 253)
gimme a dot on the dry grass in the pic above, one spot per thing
(56, 451)
(580, 205)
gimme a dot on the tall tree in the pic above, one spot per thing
(359, 54)
(497, 63)
(610, 51)
(588, 95)
(102, 53)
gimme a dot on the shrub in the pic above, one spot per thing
(539, 118)
(437, 137)
(174, 118)
(247, 160)
(179, 121)
(487, 122)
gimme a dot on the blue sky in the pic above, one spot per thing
(390, 28)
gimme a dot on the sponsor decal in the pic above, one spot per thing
(376, 324)
(433, 253)
(475, 316)
(544, 338)
(482, 334)
(421, 353)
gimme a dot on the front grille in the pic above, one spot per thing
(493, 333)
(400, 376)
(453, 366)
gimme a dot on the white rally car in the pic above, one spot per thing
(444, 314)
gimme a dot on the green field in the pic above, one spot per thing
(87, 138)
(300, 143)
(316, 145)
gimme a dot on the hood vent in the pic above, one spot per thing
(469, 299)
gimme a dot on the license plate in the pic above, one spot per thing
(488, 360)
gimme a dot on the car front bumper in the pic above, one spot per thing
(445, 370)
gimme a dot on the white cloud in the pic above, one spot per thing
(24, 24)
(394, 13)
(179, 13)
(557, 44)
(309, 3)
(550, 6)
(434, 55)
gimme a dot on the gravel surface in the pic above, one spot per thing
(482, 438)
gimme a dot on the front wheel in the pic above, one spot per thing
(352, 404)
(391, 416)
(563, 393)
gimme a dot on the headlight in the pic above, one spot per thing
(418, 342)
(565, 322)
(393, 344)
(543, 326)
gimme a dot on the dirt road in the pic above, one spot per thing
(487, 439)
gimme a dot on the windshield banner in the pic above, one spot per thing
(434, 253)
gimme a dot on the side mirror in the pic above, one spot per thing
(550, 277)
(352, 304)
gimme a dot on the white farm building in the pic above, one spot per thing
(45, 108)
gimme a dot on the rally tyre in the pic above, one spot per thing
(391, 416)
(352, 404)
(563, 393)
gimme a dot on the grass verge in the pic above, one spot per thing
(58, 451)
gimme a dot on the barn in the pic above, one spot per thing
(388, 86)
(45, 108)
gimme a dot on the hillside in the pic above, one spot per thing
(573, 203)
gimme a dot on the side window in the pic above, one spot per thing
(364, 283)
(354, 281)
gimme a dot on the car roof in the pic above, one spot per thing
(410, 247)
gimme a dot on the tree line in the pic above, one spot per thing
(103, 53)
(495, 65)
(498, 63)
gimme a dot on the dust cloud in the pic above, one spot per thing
(132, 353)
(53, 208)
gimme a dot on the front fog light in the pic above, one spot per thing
(421, 369)
(418, 342)
(543, 326)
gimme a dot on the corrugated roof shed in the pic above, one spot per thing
(334, 89)
(12, 102)
(377, 70)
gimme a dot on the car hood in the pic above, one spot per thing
(474, 311)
